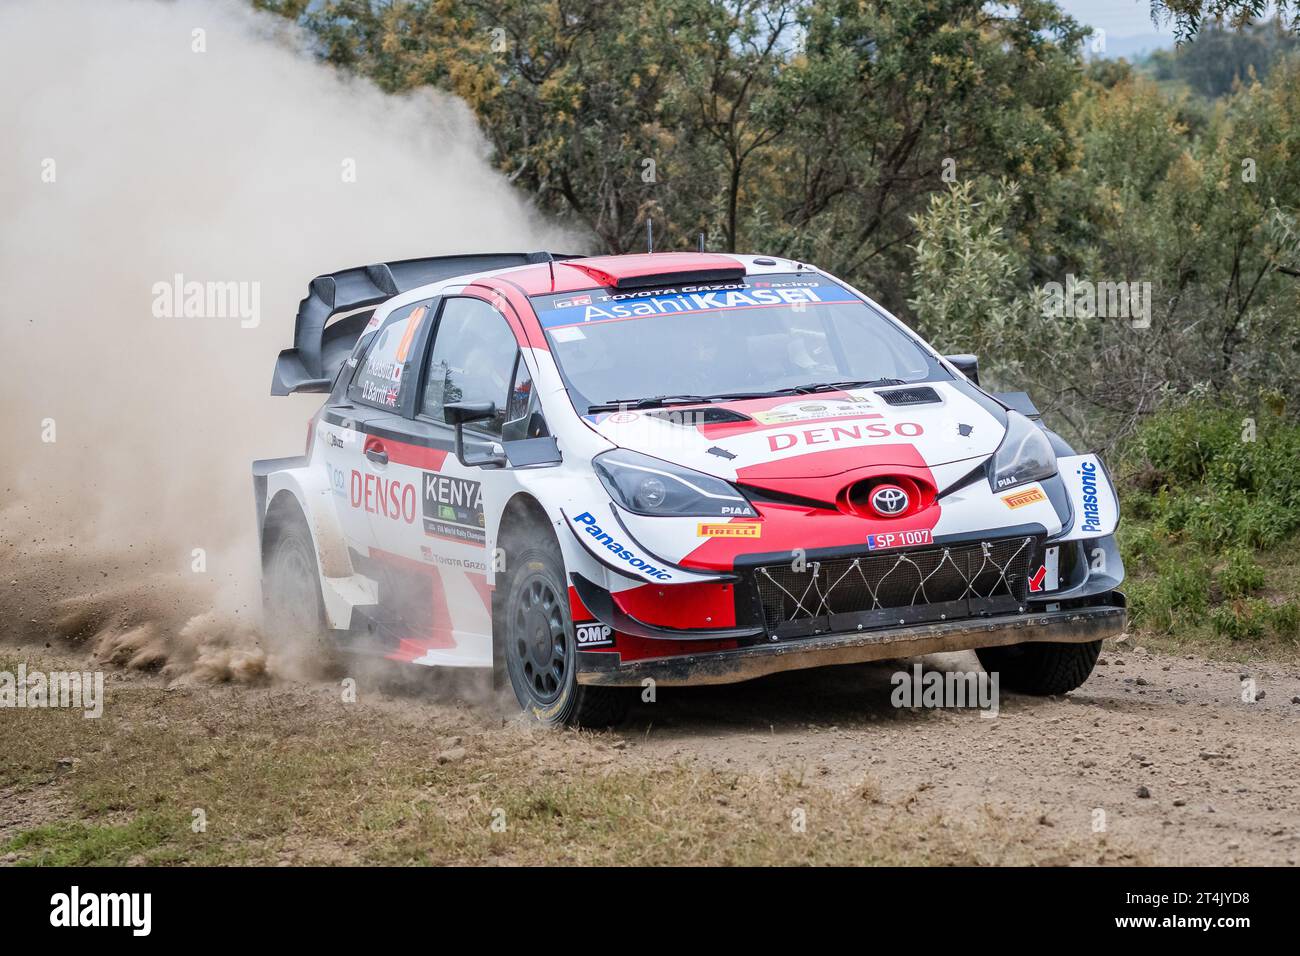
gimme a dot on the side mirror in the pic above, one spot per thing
(968, 365)
(460, 413)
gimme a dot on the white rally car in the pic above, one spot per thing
(589, 473)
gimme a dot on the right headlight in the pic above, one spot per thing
(1025, 455)
(649, 486)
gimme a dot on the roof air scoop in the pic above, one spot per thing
(660, 269)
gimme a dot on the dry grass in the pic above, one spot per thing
(291, 774)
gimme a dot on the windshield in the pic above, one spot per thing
(760, 335)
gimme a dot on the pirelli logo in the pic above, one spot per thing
(743, 529)
(1022, 498)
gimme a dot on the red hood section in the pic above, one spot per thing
(821, 475)
(790, 527)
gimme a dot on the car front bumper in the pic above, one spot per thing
(1072, 626)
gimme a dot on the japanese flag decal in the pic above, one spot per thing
(1092, 497)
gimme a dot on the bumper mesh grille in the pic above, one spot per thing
(954, 581)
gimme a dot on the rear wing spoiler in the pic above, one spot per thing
(320, 348)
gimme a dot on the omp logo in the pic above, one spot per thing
(594, 635)
(1091, 506)
(1022, 498)
(742, 529)
(617, 549)
(75, 908)
(838, 434)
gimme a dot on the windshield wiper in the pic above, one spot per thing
(812, 387)
(836, 386)
(657, 401)
(654, 401)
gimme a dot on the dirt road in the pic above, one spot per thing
(1220, 773)
(708, 775)
(1156, 759)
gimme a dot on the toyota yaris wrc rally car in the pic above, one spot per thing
(593, 473)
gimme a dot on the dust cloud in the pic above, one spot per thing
(149, 144)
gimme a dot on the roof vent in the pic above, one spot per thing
(920, 395)
(659, 270)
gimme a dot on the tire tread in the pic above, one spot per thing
(1042, 669)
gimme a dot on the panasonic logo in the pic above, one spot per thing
(617, 549)
(1091, 508)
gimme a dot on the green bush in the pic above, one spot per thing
(1238, 621)
(1216, 477)
(1210, 486)
(1179, 593)
(1243, 575)
(1284, 619)
(1139, 543)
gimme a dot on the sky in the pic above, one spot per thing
(1127, 24)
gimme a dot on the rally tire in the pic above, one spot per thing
(292, 605)
(540, 650)
(1041, 668)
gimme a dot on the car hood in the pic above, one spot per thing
(808, 444)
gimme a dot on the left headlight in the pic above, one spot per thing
(1025, 455)
(649, 486)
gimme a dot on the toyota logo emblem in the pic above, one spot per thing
(889, 500)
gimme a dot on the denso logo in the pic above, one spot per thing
(834, 434)
(1091, 507)
(617, 549)
(380, 496)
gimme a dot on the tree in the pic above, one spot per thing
(787, 126)
(1189, 16)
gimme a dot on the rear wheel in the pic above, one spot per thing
(1041, 668)
(293, 610)
(539, 648)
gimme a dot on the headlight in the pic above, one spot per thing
(649, 486)
(1025, 455)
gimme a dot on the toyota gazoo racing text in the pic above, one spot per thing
(588, 473)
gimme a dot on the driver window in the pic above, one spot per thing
(472, 360)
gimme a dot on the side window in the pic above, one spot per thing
(523, 416)
(378, 378)
(472, 360)
(521, 393)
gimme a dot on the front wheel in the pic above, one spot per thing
(293, 609)
(1041, 668)
(540, 651)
